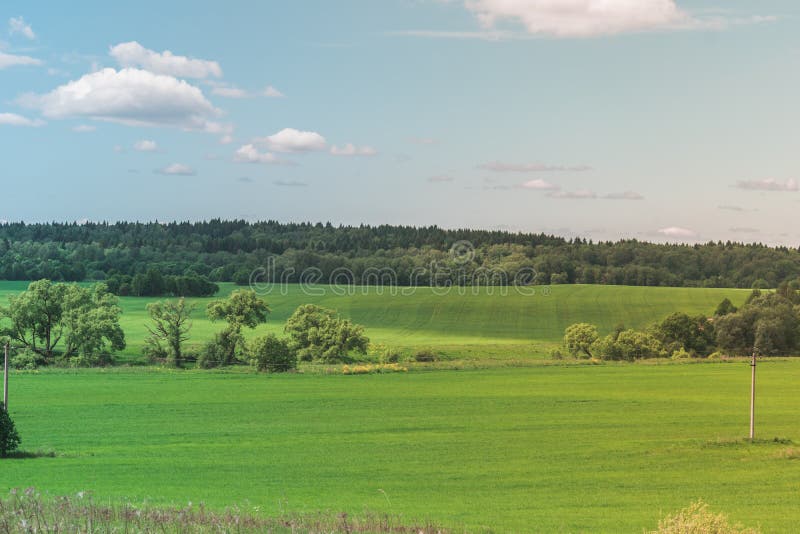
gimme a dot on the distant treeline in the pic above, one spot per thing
(182, 255)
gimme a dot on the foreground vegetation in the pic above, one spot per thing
(28, 511)
(600, 448)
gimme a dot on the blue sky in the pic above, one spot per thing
(648, 119)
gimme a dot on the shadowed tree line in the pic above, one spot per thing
(185, 259)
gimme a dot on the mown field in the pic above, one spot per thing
(459, 324)
(605, 448)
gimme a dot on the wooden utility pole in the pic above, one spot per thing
(5, 378)
(753, 397)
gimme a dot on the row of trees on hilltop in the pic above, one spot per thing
(767, 324)
(218, 251)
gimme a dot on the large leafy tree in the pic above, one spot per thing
(170, 328)
(318, 333)
(767, 324)
(242, 308)
(66, 319)
(694, 334)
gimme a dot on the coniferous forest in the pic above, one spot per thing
(189, 257)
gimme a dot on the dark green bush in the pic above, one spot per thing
(9, 439)
(25, 360)
(425, 356)
(272, 354)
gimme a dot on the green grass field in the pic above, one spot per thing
(486, 325)
(606, 448)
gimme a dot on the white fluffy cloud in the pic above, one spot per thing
(145, 145)
(271, 92)
(769, 184)
(499, 166)
(540, 185)
(177, 169)
(352, 150)
(18, 25)
(130, 96)
(579, 18)
(132, 54)
(12, 119)
(676, 231)
(10, 60)
(250, 154)
(291, 140)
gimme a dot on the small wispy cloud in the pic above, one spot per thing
(177, 169)
(540, 185)
(271, 92)
(19, 26)
(677, 232)
(145, 145)
(290, 183)
(11, 60)
(440, 178)
(352, 150)
(499, 166)
(84, 128)
(626, 195)
(230, 92)
(744, 230)
(423, 141)
(12, 119)
(581, 194)
(768, 184)
(250, 154)
(292, 140)
(740, 209)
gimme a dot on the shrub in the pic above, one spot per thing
(681, 354)
(698, 519)
(214, 353)
(556, 354)
(425, 356)
(630, 345)
(579, 338)
(319, 334)
(716, 355)
(154, 351)
(272, 354)
(9, 438)
(25, 360)
(225, 348)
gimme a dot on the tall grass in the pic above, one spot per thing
(29, 512)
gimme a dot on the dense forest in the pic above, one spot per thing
(184, 257)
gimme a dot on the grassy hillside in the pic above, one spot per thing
(510, 325)
(551, 449)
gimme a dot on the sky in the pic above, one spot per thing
(657, 120)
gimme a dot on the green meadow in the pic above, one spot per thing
(544, 448)
(491, 323)
(606, 448)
